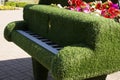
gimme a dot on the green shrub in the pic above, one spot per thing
(15, 4)
(10, 3)
(21, 4)
(7, 8)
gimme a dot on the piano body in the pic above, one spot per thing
(72, 45)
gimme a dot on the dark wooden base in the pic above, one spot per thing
(39, 71)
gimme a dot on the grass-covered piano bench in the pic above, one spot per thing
(71, 45)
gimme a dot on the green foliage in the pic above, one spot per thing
(21, 4)
(7, 8)
(15, 4)
(10, 3)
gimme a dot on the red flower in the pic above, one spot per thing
(78, 2)
(107, 5)
(107, 9)
(71, 7)
(110, 13)
(83, 5)
(92, 9)
(71, 2)
(99, 6)
(74, 2)
(113, 11)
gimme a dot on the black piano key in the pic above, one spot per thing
(51, 43)
(44, 40)
(39, 37)
(36, 36)
(31, 33)
(55, 45)
(58, 48)
(28, 32)
(48, 42)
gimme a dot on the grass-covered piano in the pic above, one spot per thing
(72, 45)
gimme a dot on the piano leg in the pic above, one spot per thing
(39, 71)
(103, 77)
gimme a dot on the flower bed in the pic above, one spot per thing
(106, 9)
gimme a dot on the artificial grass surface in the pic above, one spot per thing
(91, 43)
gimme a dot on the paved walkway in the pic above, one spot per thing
(15, 64)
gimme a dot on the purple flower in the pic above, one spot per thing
(78, 9)
(86, 9)
(115, 6)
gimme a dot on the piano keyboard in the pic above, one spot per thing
(45, 43)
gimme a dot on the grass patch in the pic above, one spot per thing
(7, 8)
(11, 5)
(15, 4)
